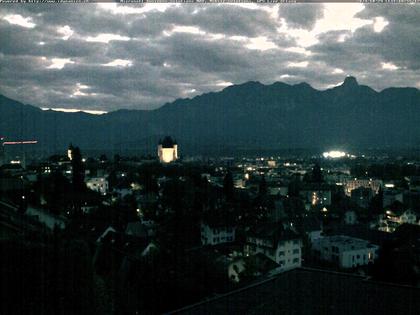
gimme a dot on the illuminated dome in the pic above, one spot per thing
(167, 142)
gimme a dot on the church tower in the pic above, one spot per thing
(167, 150)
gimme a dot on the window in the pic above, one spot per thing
(281, 262)
(296, 260)
(296, 251)
(281, 253)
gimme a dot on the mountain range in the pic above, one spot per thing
(249, 116)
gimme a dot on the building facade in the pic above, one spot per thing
(351, 184)
(316, 194)
(167, 150)
(281, 245)
(345, 251)
(213, 235)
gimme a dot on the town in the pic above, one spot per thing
(156, 233)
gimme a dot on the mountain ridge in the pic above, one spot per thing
(247, 115)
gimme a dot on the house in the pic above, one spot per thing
(212, 234)
(312, 228)
(98, 184)
(316, 194)
(351, 184)
(51, 221)
(345, 251)
(413, 182)
(395, 217)
(254, 266)
(136, 229)
(280, 244)
(116, 251)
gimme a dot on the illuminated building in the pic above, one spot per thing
(316, 194)
(392, 219)
(99, 184)
(334, 154)
(70, 152)
(271, 163)
(345, 251)
(167, 150)
(352, 184)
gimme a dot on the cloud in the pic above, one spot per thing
(110, 56)
(17, 19)
(301, 15)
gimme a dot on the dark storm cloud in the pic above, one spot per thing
(228, 20)
(364, 52)
(187, 50)
(399, 42)
(299, 15)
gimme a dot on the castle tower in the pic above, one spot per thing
(167, 150)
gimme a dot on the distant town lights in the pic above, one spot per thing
(334, 154)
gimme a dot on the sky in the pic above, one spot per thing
(102, 57)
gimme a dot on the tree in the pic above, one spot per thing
(78, 172)
(376, 204)
(317, 174)
(103, 158)
(228, 186)
(78, 180)
(263, 186)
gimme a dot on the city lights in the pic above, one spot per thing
(334, 154)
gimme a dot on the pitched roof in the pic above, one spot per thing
(274, 232)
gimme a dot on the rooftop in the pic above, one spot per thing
(273, 232)
(345, 242)
(313, 291)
